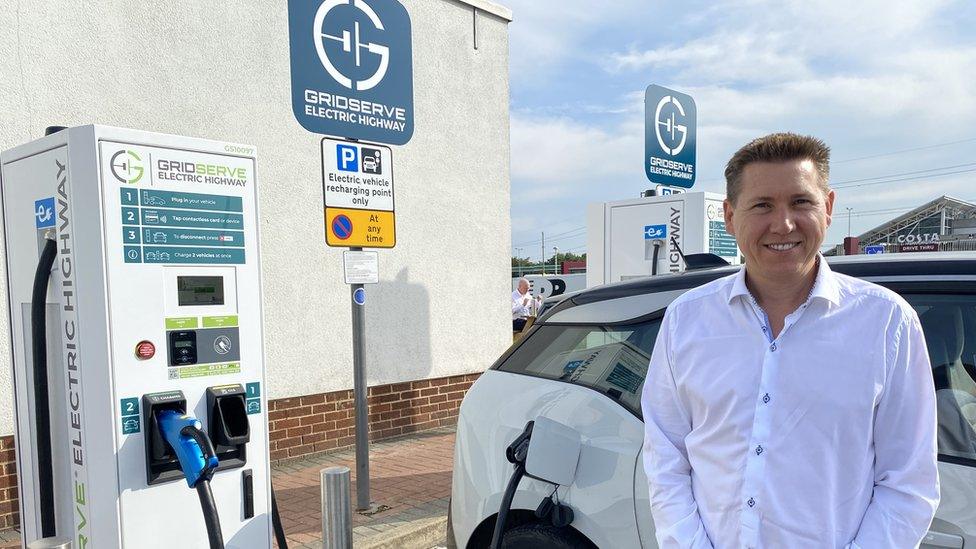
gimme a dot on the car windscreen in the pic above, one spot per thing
(610, 359)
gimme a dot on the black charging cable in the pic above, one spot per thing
(279, 531)
(42, 410)
(516, 454)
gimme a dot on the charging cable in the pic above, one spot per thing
(516, 453)
(197, 458)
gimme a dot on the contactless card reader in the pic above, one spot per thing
(182, 348)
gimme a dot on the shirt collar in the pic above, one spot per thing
(825, 286)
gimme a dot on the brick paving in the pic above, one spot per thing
(411, 475)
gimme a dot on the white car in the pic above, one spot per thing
(583, 365)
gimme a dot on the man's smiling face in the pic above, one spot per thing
(780, 218)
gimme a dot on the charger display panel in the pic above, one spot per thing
(200, 290)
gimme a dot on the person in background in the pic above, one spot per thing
(523, 304)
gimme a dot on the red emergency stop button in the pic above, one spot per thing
(145, 350)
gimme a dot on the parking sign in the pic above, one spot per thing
(357, 181)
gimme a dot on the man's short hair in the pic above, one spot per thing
(777, 147)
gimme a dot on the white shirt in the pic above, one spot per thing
(823, 437)
(518, 309)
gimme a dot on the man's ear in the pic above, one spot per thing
(829, 204)
(727, 213)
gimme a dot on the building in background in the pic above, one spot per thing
(221, 71)
(944, 224)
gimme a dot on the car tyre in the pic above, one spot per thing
(538, 535)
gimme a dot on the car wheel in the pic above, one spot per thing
(536, 535)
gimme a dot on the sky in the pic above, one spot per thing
(890, 86)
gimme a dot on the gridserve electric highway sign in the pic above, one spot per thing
(669, 137)
(352, 68)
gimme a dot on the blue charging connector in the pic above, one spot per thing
(193, 447)
(197, 458)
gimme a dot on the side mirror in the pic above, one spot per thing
(554, 452)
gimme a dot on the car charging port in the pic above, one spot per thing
(228, 425)
(162, 464)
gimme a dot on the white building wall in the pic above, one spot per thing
(220, 70)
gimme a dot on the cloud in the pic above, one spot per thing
(742, 56)
(546, 34)
(560, 152)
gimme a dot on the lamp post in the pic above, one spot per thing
(518, 259)
(849, 210)
(555, 260)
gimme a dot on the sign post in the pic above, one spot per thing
(358, 294)
(357, 181)
(352, 76)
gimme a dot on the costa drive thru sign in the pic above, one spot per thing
(352, 68)
(357, 180)
(670, 120)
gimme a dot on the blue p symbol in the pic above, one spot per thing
(347, 158)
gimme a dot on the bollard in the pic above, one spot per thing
(50, 543)
(336, 508)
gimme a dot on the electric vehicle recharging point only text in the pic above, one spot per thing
(152, 333)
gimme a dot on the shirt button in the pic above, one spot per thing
(766, 398)
(751, 502)
(772, 348)
(759, 450)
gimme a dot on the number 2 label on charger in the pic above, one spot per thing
(131, 421)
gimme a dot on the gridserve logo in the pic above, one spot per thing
(669, 137)
(351, 68)
(127, 166)
(351, 41)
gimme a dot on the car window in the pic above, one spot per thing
(949, 323)
(613, 360)
(610, 359)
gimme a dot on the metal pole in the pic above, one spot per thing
(555, 260)
(359, 391)
(849, 210)
(543, 253)
(336, 508)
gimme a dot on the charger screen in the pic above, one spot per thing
(200, 290)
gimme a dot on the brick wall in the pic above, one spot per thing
(306, 425)
(9, 503)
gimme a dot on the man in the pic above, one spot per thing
(787, 405)
(522, 304)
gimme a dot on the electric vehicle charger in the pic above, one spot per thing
(110, 254)
(198, 459)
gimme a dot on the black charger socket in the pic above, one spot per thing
(228, 425)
